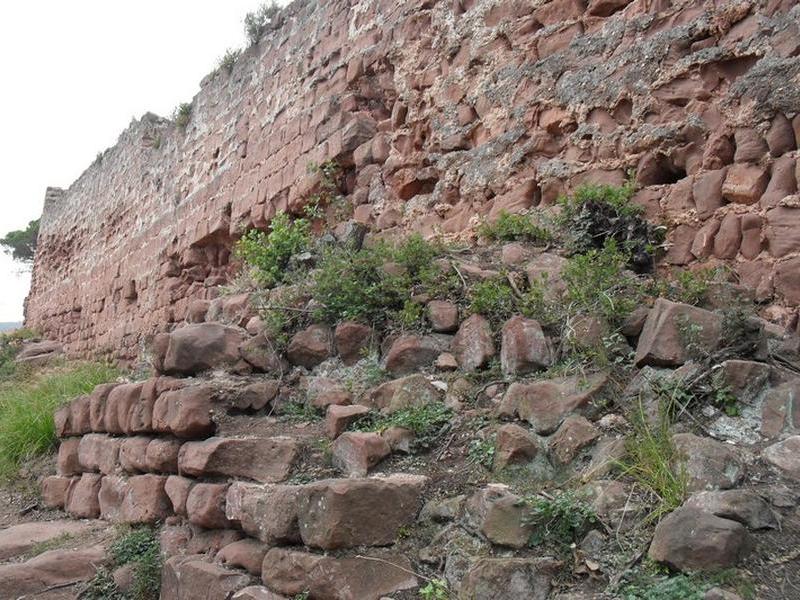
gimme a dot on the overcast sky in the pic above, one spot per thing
(75, 74)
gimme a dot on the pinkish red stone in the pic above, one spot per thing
(473, 345)
(744, 184)
(338, 418)
(356, 452)
(351, 340)
(310, 347)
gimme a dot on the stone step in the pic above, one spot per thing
(18, 540)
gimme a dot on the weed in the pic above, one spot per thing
(330, 173)
(425, 421)
(651, 457)
(653, 582)
(298, 412)
(598, 213)
(141, 547)
(481, 452)
(51, 544)
(10, 346)
(182, 114)
(26, 409)
(561, 518)
(411, 316)
(301, 596)
(513, 227)
(268, 254)
(435, 589)
(258, 22)
(227, 60)
(688, 287)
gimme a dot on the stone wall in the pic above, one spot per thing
(442, 113)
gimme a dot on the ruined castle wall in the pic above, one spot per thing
(442, 113)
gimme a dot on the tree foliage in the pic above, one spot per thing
(21, 244)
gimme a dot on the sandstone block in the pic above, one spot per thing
(267, 460)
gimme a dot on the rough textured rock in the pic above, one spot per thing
(694, 540)
(545, 404)
(574, 434)
(338, 418)
(513, 444)
(670, 326)
(205, 505)
(351, 340)
(18, 539)
(186, 412)
(409, 353)
(202, 346)
(524, 347)
(744, 506)
(709, 464)
(499, 515)
(473, 346)
(507, 578)
(785, 456)
(355, 452)
(267, 460)
(342, 513)
(310, 347)
(443, 316)
(50, 569)
(245, 554)
(413, 390)
(267, 512)
(194, 578)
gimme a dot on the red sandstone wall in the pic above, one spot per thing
(443, 112)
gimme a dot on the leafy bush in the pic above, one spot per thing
(598, 213)
(182, 114)
(598, 285)
(141, 547)
(561, 518)
(373, 284)
(257, 23)
(268, 254)
(515, 227)
(494, 299)
(26, 409)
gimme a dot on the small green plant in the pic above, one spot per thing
(301, 596)
(300, 412)
(268, 254)
(182, 114)
(411, 316)
(653, 582)
(494, 299)
(330, 174)
(515, 227)
(51, 544)
(435, 589)
(652, 459)
(425, 421)
(723, 396)
(258, 22)
(561, 518)
(27, 405)
(141, 547)
(481, 452)
(226, 62)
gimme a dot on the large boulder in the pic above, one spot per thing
(202, 346)
(194, 578)
(524, 347)
(671, 328)
(499, 515)
(267, 512)
(328, 578)
(344, 513)
(185, 412)
(267, 460)
(545, 404)
(473, 345)
(709, 464)
(311, 346)
(509, 579)
(690, 539)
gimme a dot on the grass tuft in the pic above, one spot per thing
(27, 405)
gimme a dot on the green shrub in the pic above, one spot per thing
(258, 22)
(268, 254)
(21, 243)
(373, 284)
(598, 285)
(494, 299)
(653, 582)
(598, 213)
(481, 452)
(182, 115)
(561, 518)
(515, 227)
(435, 589)
(10, 345)
(26, 409)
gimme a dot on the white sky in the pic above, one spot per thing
(75, 74)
